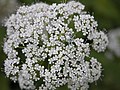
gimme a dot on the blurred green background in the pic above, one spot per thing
(107, 13)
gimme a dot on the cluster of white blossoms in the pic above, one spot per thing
(114, 43)
(48, 46)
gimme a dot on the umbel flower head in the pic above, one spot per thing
(48, 46)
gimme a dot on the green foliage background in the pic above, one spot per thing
(107, 13)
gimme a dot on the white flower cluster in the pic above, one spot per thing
(49, 46)
(114, 43)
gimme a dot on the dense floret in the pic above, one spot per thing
(47, 46)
